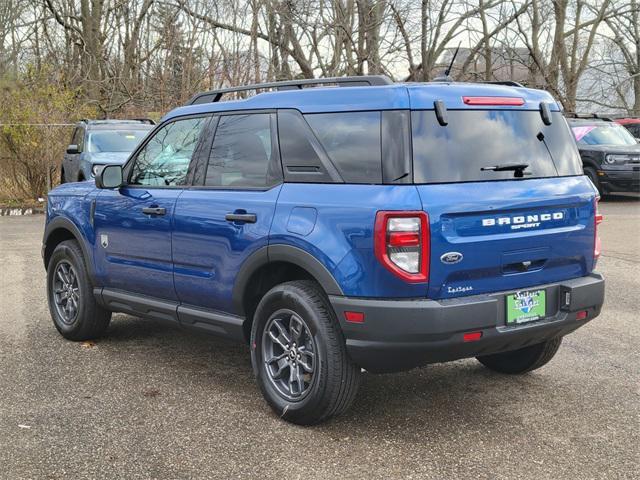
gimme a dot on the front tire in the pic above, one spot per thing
(299, 356)
(522, 360)
(73, 308)
(593, 176)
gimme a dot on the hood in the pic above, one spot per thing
(112, 158)
(616, 149)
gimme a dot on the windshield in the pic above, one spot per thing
(115, 140)
(483, 145)
(609, 134)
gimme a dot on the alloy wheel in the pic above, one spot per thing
(289, 354)
(66, 292)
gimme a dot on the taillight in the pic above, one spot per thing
(597, 221)
(402, 244)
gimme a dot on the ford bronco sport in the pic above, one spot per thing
(375, 226)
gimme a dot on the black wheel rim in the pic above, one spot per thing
(289, 354)
(66, 292)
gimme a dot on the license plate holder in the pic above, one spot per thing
(525, 306)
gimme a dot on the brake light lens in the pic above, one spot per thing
(509, 101)
(401, 242)
(597, 246)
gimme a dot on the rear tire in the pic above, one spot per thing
(523, 360)
(310, 377)
(73, 308)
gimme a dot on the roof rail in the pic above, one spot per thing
(361, 81)
(117, 120)
(508, 83)
(144, 120)
(587, 116)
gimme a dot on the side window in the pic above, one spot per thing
(241, 154)
(352, 141)
(165, 159)
(78, 138)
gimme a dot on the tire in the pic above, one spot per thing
(591, 173)
(523, 360)
(327, 380)
(68, 284)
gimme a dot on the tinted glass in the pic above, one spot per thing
(78, 138)
(241, 152)
(164, 160)
(474, 139)
(352, 141)
(634, 128)
(610, 134)
(114, 141)
(301, 152)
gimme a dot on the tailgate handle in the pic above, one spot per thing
(524, 266)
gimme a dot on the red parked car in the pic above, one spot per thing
(632, 124)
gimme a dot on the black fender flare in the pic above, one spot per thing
(282, 253)
(64, 223)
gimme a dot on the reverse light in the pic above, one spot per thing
(401, 243)
(509, 101)
(598, 218)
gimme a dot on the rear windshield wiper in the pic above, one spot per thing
(516, 168)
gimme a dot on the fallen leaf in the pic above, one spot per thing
(88, 344)
(24, 426)
(151, 393)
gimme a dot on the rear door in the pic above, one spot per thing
(494, 230)
(226, 216)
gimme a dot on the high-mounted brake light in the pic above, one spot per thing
(509, 101)
(401, 243)
(598, 217)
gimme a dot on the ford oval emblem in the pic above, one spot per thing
(451, 257)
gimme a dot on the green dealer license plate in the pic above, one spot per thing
(526, 306)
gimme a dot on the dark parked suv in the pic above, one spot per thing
(96, 143)
(610, 154)
(375, 226)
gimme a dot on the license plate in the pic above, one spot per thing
(526, 306)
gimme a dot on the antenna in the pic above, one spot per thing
(446, 77)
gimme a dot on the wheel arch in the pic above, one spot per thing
(57, 231)
(270, 266)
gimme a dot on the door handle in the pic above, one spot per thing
(154, 210)
(241, 217)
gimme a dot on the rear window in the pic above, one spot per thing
(477, 139)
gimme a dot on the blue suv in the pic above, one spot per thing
(378, 226)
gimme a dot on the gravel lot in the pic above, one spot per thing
(150, 401)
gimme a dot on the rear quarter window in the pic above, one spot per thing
(474, 139)
(352, 142)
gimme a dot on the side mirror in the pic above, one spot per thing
(109, 177)
(72, 149)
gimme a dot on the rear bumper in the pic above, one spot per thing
(399, 335)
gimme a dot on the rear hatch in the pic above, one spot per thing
(507, 202)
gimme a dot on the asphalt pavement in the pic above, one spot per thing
(151, 401)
